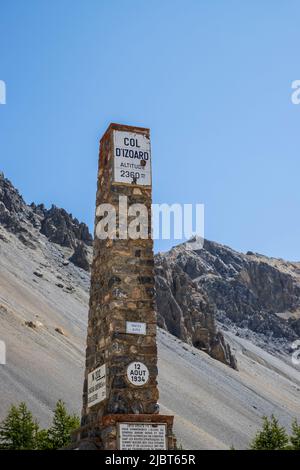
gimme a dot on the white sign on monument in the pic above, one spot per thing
(135, 328)
(142, 436)
(97, 386)
(132, 158)
(137, 373)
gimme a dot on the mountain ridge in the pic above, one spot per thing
(254, 295)
(43, 320)
(60, 228)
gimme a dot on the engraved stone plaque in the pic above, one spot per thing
(142, 436)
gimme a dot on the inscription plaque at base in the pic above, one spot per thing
(142, 436)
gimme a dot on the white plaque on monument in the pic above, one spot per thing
(135, 328)
(137, 373)
(97, 386)
(132, 158)
(142, 436)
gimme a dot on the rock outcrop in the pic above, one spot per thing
(14, 213)
(80, 257)
(60, 227)
(250, 291)
(184, 310)
(27, 221)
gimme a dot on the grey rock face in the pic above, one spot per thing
(248, 290)
(13, 210)
(184, 310)
(27, 221)
(60, 227)
(80, 257)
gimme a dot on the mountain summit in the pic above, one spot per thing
(254, 296)
(27, 222)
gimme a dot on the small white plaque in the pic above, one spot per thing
(97, 386)
(132, 158)
(142, 436)
(135, 328)
(137, 373)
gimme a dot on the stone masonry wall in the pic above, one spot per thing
(122, 289)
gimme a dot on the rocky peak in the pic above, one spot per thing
(13, 209)
(184, 310)
(27, 221)
(249, 291)
(60, 227)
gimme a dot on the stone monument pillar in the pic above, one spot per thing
(120, 396)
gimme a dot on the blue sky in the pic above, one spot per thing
(212, 79)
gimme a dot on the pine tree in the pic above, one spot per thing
(18, 430)
(295, 437)
(271, 437)
(63, 424)
(42, 440)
